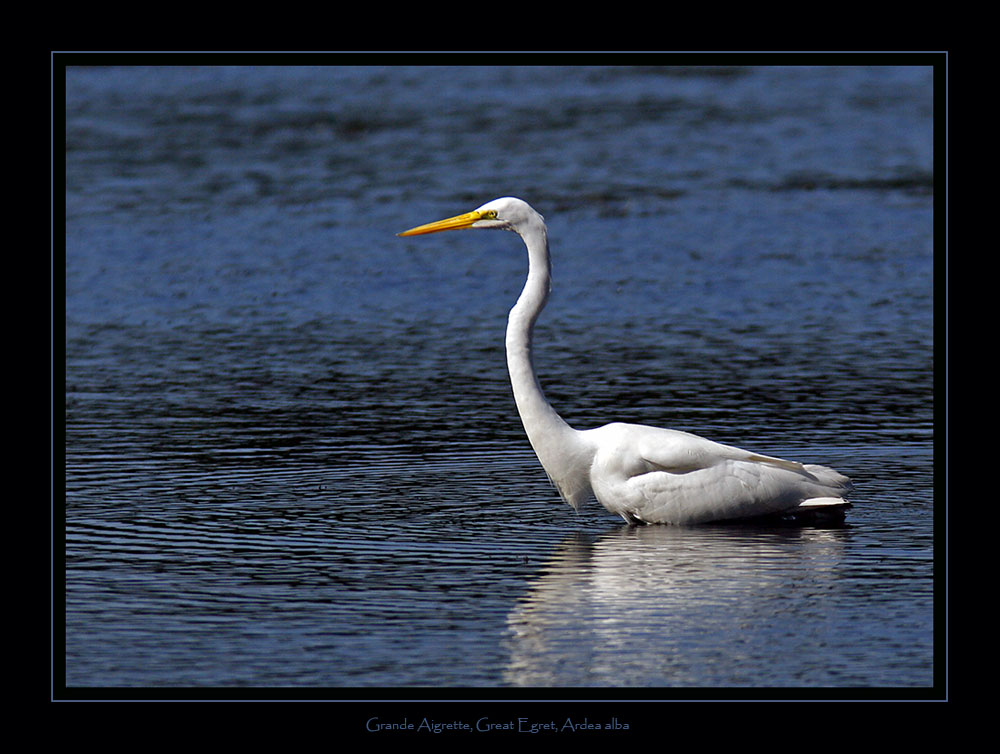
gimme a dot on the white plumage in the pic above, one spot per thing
(644, 474)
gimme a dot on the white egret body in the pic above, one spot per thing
(644, 474)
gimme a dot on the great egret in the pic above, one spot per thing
(644, 474)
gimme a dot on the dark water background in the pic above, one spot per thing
(291, 453)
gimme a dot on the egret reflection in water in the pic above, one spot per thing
(637, 605)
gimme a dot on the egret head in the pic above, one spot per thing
(507, 213)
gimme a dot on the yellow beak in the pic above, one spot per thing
(452, 223)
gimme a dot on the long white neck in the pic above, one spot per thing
(559, 447)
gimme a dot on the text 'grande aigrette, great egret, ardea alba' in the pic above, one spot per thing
(644, 474)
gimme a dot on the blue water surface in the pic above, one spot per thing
(291, 454)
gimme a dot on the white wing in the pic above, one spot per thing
(665, 476)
